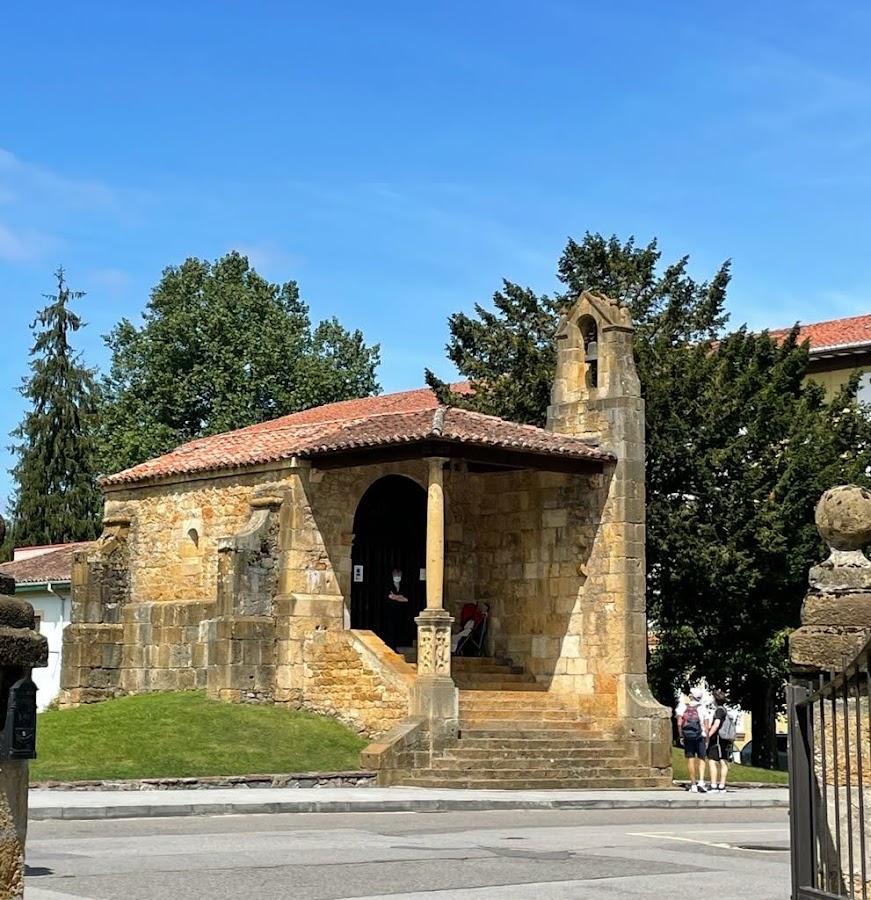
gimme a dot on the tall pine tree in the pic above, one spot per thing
(56, 499)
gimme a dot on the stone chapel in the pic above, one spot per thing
(256, 564)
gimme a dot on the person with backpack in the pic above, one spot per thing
(692, 731)
(720, 742)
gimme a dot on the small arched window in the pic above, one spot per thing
(194, 535)
(590, 334)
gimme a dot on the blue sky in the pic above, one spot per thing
(398, 159)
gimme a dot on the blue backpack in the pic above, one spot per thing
(691, 723)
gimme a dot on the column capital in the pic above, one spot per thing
(437, 460)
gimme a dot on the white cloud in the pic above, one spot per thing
(28, 182)
(112, 280)
(40, 205)
(22, 244)
(269, 257)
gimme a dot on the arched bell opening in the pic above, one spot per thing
(389, 534)
(590, 333)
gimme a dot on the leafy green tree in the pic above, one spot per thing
(739, 450)
(744, 449)
(55, 498)
(221, 348)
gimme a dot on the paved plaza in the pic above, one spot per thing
(731, 854)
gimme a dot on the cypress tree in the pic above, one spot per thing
(56, 499)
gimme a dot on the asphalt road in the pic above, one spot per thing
(529, 855)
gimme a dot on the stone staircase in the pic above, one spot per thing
(514, 734)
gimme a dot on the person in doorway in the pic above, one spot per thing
(692, 731)
(720, 738)
(394, 612)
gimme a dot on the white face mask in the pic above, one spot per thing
(397, 578)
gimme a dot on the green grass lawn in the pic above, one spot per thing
(736, 772)
(184, 734)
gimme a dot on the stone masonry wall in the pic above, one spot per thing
(534, 533)
(164, 647)
(349, 680)
(175, 529)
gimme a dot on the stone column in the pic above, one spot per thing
(21, 649)
(434, 694)
(435, 534)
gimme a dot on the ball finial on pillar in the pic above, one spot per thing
(843, 518)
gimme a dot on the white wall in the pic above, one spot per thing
(51, 609)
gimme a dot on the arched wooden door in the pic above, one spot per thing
(389, 533)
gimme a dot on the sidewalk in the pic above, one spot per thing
(59, 804)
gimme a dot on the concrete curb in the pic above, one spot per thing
(43, 811)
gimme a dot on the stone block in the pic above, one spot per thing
(22, 647)
(850, 610)
(816, 648)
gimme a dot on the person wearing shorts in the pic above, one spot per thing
(719, 749)
(693, 732)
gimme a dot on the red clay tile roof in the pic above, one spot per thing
(839, 333)
(55, 565)
(390, 420)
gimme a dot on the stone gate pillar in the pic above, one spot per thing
(434, 694)
(21, 649)
(836, 614)
(835, 625)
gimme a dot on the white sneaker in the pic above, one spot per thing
(694, 788)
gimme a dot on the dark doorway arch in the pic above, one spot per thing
(389, 532)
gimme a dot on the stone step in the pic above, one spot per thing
(528, 714)
(553, 731)
(542, 773)
(510, 739)
(455, 762)
(466, 684)
(515, 700)
(529, 729)
(499, 678)
(577, 750)
(423, 779)
(471, 662)
(486, 669)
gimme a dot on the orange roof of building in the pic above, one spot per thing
(54, 565)
(833, 335)
(388, 420)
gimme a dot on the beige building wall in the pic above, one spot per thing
(833, 381)
(534, 533)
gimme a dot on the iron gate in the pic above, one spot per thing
(829, 783)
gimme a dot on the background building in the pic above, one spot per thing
(42, 577)
(838, 348)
